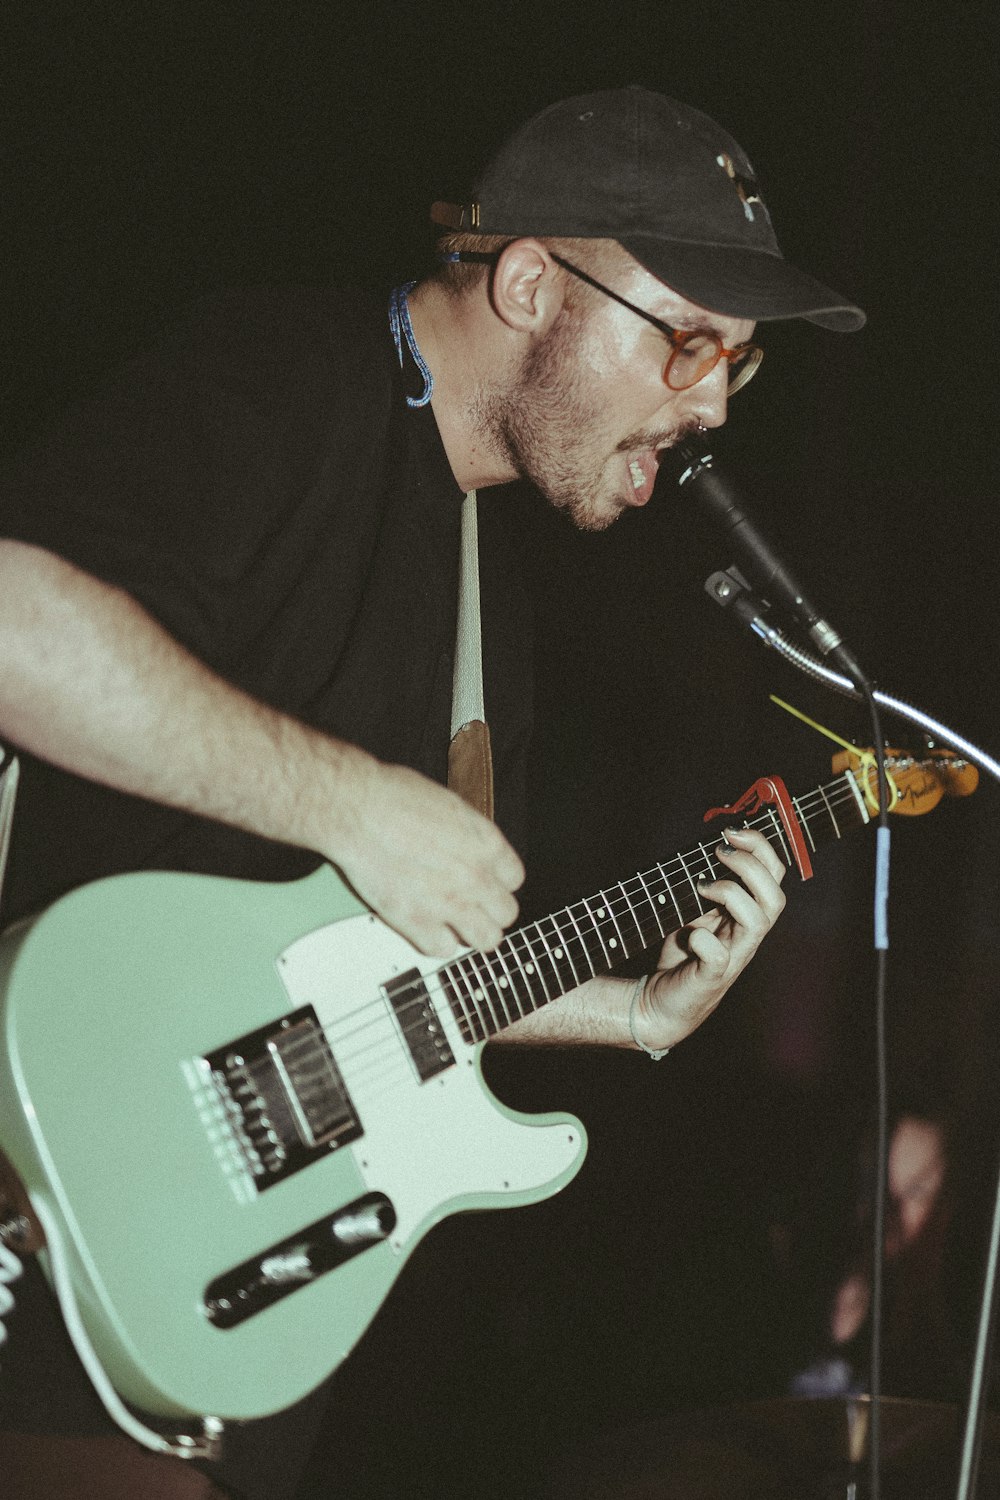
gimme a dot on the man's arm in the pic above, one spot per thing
(89, 681)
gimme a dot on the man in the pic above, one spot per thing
(227, 597)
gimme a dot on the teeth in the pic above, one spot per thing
(638, 477)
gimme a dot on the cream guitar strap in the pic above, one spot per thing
(470, 762)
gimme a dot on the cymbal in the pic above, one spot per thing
(836, 1429)
(798, 1448)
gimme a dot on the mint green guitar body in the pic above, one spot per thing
(123, 1007)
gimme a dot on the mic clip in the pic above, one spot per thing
(731, 590)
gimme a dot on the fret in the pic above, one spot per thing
(521, 976)
(670, 892)
(508, 981)
(713, 871)
(614, 942)
(466, 1012)
(559, 957)
(778, 827)
(537, 994)
(496, 989)
(595, 925)
(539, 968)
(470, 985)
(652, 904)
(450, 986)
(643, 939)
(482, 996)
(694, 888)
(830, 812)
(643, 912)
(582, 941)
(804, 823)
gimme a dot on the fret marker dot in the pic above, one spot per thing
(503, 983)
(529, 968)
(559, 953)
(600, 911)
(662, 900)
(478, 994)
(612, 942)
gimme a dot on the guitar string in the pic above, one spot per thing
(433, 984)
(388, 1065)
(372, 1079)
(420, 987)
(838, 794)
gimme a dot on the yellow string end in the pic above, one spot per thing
(798, 714)
(867, 766)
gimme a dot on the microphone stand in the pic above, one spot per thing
(730, 590)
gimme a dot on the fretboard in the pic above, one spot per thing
(539, 962)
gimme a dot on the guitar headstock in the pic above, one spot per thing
(917, 782)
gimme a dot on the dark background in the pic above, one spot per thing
(153, 153)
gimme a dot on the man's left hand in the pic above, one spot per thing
(700, 961)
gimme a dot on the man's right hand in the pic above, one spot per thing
(434, 869)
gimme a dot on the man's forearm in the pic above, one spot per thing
(89, 681)
(595, 1014)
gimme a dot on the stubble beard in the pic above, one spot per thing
(539, 426)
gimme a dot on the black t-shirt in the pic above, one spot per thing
(260, 485)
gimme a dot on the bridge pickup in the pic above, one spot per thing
(420, 1025)
(284, 1098)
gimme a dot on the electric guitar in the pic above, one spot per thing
(244, 1104)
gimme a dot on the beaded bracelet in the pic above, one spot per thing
(654, 1052)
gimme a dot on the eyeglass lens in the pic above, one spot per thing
(698, 357)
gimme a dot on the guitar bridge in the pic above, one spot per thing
(284, 1101)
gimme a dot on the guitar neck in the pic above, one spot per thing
(542, 960)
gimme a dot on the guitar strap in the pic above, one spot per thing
(470, 760)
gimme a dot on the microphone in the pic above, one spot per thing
(717, 496)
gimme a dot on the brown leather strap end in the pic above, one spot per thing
(470, 766)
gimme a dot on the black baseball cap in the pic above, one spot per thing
(665, 181)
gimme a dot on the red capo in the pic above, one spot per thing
(772, 791)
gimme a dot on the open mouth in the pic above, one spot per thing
(643, 464)
(642, 474)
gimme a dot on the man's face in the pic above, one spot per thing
(590, 411)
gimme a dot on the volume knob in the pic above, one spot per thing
(363, 1226)
(290, 1266)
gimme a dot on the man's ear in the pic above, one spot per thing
(526, 289)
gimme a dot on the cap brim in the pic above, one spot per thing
(743, 283)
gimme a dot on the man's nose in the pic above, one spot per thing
(709, 400)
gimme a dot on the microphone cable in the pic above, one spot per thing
(715, 495)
